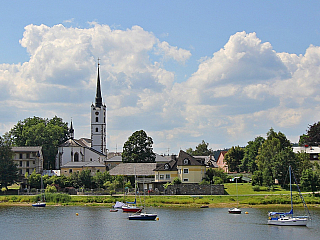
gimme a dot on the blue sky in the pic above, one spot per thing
(184, 71)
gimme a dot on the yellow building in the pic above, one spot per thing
(72, 167)
(188, 168)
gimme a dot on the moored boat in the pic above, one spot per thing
(234, 210)
(143, 216)
(39, 204)
(287, 219)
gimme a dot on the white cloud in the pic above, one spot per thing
(237, 93)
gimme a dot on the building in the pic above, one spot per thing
(188, 168)
(28, 159)
(72, 167)
(313, 152)
(81, 152)
(221, 163)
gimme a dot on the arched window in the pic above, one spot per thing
(76, 157)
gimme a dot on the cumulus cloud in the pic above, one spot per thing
(237, 93)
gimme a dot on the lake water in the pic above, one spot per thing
(174, 223)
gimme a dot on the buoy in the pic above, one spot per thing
(247, 213)
(77, 214)
(157, 219)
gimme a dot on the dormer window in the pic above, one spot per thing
(186, 161)
(166, 166)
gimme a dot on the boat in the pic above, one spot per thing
(143, 216)
(118, 204)
(287, 219)
(42, 202)
(235, 210)
(113, 210)
(132, 206)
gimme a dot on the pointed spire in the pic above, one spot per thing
(71, 131)
(98, 94)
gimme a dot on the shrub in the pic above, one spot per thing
(176, 180)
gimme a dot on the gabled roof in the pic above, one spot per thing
(169, 166)
(191, 160)
(80, 143)
(132, 169)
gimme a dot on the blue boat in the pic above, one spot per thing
(39, 204)
(143, 216)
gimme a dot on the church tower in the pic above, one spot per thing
(98, 121)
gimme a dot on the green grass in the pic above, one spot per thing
(246, 189)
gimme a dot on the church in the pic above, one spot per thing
(80, 154)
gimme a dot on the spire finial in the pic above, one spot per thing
(98, 93)
(99, 62)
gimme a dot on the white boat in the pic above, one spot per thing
(235, 210)
(287, 219)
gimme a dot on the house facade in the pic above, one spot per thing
(72, 167)
(188, 168)
(221, 163)
(28, 159)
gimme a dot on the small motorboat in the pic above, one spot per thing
(204, 206)
(234, 210)
(113, 210)
(39, 204)
(143, 216)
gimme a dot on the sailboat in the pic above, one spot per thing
(132, 206)
(42, 202)
(143, 215)
(235, 210)
(287, 219)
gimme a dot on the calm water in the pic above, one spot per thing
(99, 223)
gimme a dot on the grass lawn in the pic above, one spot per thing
(246, 189)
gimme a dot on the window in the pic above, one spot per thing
(97, 130)
(97, 119)
(27, 163)
(167, 176)
(34, 162)
(161, 177)
(70, 170)
(27, 170)
(166, 166)
(20, 163)
(185, 170)
(76, 157)
(98, 170)
(179, 170)
(20, 155)
(185, 161)
(186, 180)
(28, 155)
(90, 159)
(20, 171)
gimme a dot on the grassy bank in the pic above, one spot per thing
(247, 198)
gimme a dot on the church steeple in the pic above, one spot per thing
(71, 131)
(98, 94)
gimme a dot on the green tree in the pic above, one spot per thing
(138, 148)
(85, 178)
(233, 158)
(248, 163)
(312, 137)
(212, 174)
(201, 150)
(8, 170)
(34, 180)
(101, 177)
(310, 180)
(274, 157)
(38, 131)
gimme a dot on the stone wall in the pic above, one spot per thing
(194, 189)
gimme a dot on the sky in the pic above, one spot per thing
(183, 71)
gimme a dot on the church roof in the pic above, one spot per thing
(83, 164)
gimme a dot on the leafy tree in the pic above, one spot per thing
(257, 178)
(274, 157)
(34, 180)
(248, 163)
(85, 178)
(310, 180)
(233, 158)
(214, 173)
(101, 177)
(176, 180)
(312, 137)
(201, 150)
(303, 163)
(38, 131)
(138, 148)
(8, 170)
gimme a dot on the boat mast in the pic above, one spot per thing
(290, 189)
